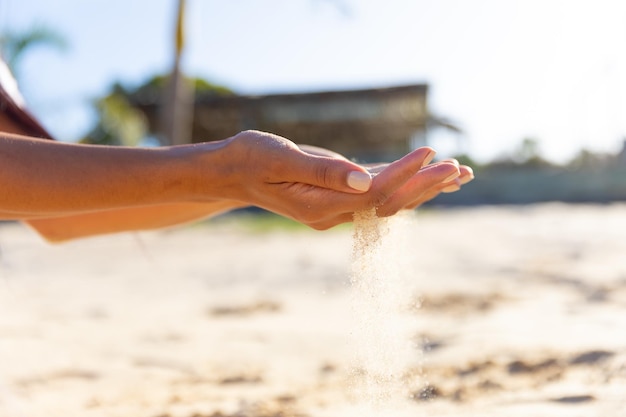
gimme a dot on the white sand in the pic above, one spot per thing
(523, 314)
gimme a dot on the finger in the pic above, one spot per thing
(289, 164)
(434, 174)
(316, 150)
(452, 160)
(330, 173)
(378, 167)
(466, 176)
(427, 196)
(375, 169)
(329, 203)
(396, 174)
(425, 180)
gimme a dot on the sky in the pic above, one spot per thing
(503, 70)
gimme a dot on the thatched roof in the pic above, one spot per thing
(365, 123)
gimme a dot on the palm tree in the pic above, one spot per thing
(118, 122)
(14, 45)
(177, 104)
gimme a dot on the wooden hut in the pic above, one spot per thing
(365, 124)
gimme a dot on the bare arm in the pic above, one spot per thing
(57, 229)
(46, 178)
(66, 190)
(61, 190)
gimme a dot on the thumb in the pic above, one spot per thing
(333, 173)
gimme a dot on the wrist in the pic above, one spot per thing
(206, 171)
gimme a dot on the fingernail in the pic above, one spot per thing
(360, 181)
(429, 158)
(451, 188)
(454, 161)
(453, 176)
(466, 178)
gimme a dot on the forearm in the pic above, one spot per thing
(106, 189)
(57, 229)
(45, 178)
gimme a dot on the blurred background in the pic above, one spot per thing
(515, 309)
(532, 87)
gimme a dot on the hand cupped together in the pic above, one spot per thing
(322, 189)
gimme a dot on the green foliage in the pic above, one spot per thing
(119, 123)
(268, 222)
(155, 85)
(261, 222)
(526, 155)
(587, 159)
(15, 44)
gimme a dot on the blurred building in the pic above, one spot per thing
(621, 156)
(366, 124)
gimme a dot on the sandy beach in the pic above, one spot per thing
(488, 311)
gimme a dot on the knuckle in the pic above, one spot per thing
(257, 138)
(324, 176)
(248, 137)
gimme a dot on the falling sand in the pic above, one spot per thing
(382, 330)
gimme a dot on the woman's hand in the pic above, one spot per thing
(99, 189)
(320, 191)
(466, 174)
